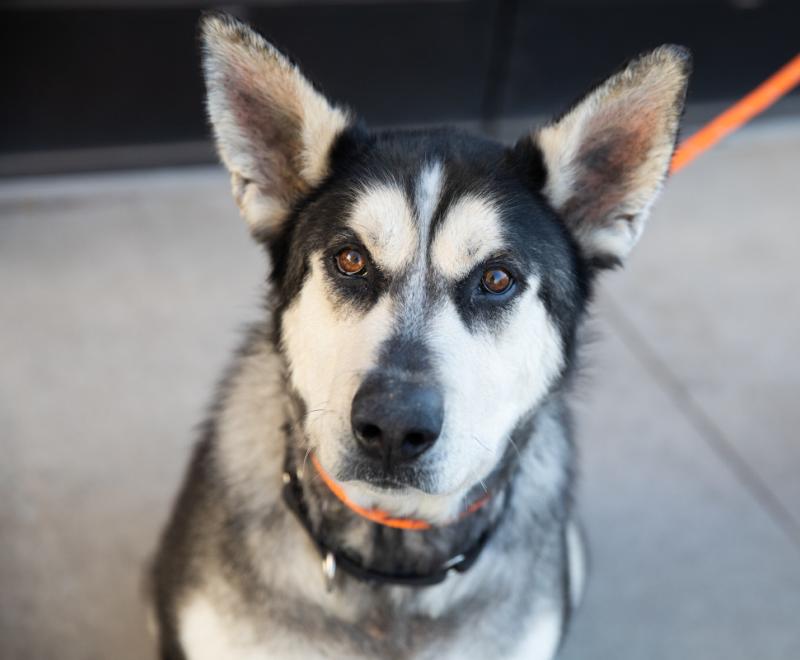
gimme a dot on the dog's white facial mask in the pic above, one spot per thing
(431, 213)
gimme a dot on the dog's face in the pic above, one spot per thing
(430, 283)
(430, 300)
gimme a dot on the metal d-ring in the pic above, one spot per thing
(329, 570)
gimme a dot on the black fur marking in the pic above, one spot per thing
(408, 354)
(290, 247)
(537, 240)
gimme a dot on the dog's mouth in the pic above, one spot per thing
(384, 483)
(376, 477)
(386, 500)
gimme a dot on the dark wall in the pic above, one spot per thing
(97, 78)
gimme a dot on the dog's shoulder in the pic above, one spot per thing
(223, 497)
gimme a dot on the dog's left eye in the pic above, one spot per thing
(351, 262)
(497, 280)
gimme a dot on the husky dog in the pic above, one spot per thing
(387, 470)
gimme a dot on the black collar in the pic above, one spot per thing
(332, 560)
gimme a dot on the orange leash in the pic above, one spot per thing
(376, 515)
(773, 88)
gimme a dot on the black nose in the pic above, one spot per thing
(396, 419)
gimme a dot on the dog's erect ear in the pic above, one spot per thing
(607, 158)
(273, 130)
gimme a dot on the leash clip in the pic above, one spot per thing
(329, 570)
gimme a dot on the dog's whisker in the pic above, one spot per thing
(321, 411)
(320, 406)
(481, 444)
(316, 410)
(302, 470)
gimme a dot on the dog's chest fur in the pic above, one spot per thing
(239, 577)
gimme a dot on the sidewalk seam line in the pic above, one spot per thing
(701, 421)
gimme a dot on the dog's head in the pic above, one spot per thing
(430, 283)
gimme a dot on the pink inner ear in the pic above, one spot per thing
(618, 142)
(269, 131)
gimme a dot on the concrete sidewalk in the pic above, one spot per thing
(120, 300)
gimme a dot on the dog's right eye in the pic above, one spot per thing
(351, 262)
(497, 280)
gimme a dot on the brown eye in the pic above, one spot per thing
(351, 262)
(496, 280)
